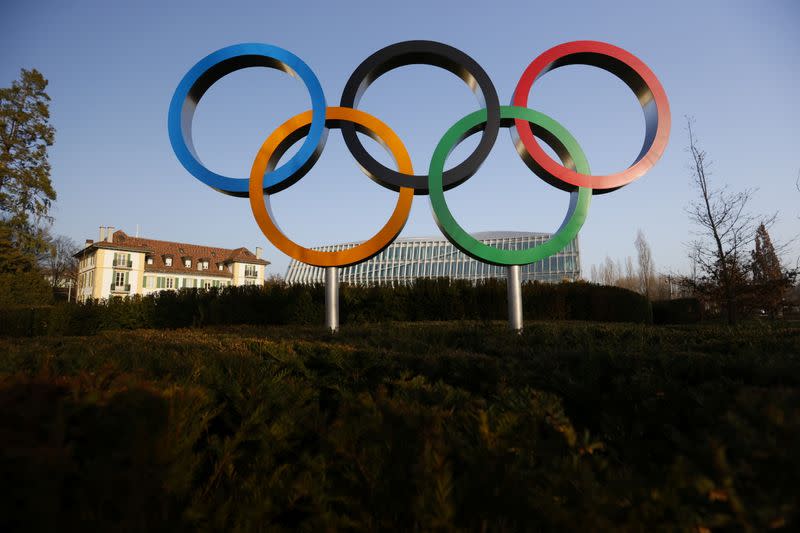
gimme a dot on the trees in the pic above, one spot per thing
(12, 260)
(770, 281)
(57, 261)
(647, 269)
(726, 229)
(613, 273)
(643, 281)
(26, 191)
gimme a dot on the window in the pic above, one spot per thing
(220, 266)
(168, 261)
(149, 260)
(250, 271)
(120, 279)
(206, 284)
(170, 283)
(122, 260)
(187, 263)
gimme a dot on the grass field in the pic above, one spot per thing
(403, 426)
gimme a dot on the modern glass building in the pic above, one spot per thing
(420, 257)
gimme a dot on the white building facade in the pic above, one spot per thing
(118, 265)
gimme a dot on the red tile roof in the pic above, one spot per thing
(160, 250)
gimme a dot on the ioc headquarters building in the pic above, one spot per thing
(408, 259)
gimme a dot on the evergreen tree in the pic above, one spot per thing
(770, 280)
(26, 191)
(766, 265)
(12, 260)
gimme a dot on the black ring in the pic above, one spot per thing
(421, 53)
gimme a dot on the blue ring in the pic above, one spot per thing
(212, 68)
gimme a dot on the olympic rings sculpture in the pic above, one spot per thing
(572, 174)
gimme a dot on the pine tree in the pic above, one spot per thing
(770, 280)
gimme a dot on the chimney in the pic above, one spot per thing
(259, 251)
(110, 235)
(89, 242)
(102, 234)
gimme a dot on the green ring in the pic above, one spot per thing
(558, 138)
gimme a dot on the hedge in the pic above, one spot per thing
(280, 304)
(680, 311)
(453, 426)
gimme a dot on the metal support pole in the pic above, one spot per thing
(332, 298)
(514, 299)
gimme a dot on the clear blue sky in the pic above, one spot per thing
(113, 67)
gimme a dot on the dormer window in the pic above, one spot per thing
(149, 260)
(187, 263)
(202, 264)
(220, 266)
(168, 261)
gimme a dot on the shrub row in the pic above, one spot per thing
(278, 304)
(680, 311)
(403, 427)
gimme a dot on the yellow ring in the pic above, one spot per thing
(333, 116)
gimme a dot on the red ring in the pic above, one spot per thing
(629, 69)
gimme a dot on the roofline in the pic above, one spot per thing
(252, 261)
(118, 246)
(111, 246)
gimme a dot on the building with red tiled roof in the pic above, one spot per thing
(120, 265)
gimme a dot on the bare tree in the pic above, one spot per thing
(608, 272)
(647, 269)
(58, 263)
(629, 280)
(630, 271)
(725, 231)
(613, 273)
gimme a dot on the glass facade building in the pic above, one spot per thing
(419, 257)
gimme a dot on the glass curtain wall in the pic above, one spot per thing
(408, 259)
